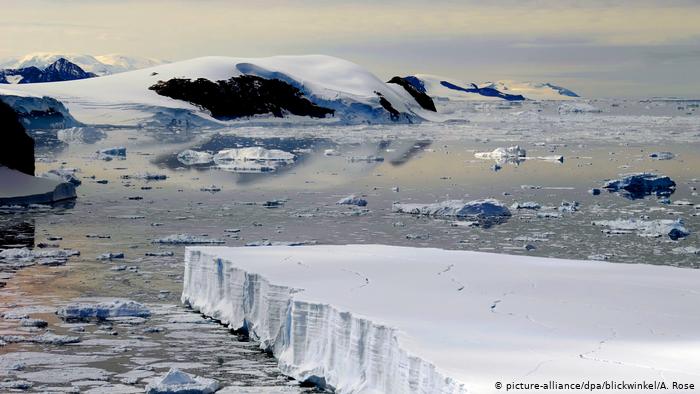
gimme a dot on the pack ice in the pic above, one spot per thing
(386, 319)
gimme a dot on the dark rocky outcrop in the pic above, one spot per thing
(386, 104)
(60, 70)
(17, 148)
(417, 91)
(485, 91)
(241, 96)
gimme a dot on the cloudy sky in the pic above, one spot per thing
(610, 48)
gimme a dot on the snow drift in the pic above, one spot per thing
(371, 318)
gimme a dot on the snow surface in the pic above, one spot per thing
(124, 98)
(373, 318)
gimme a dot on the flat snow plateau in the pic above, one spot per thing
(373, 318)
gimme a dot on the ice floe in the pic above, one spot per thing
(191, 157)
(252, 159)
(103, 310)
(451, 209)
(674, 229)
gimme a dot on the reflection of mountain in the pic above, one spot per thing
(16, 233)
(405, 151)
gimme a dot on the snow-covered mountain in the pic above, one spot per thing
(60, 70)
(532, 90)
(440, 87)
(100, 65)
(176, 93)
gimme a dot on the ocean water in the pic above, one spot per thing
(417, 166)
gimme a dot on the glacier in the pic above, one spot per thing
(376, 318)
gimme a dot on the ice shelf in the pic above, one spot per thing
(385, 319)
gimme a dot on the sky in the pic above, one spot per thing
(625, 48)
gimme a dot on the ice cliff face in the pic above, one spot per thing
(313, 341)
(37, 112)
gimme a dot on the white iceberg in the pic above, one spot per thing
(186, 239)
(252, 159)
(512, 154)
(352, 200)
(372, 318)
(178, 382)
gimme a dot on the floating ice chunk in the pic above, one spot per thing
(63, 175)
(178, 382)
(191, 157)
(512, 154)
(34, 323)
(111, 153)
(159, 254)
(352, 200)
(456, 209)
(568, 206)
(642, 184)
(211, 189)
(674, 229)
(686, 250)
(331, 152)
(16, 385)
(252, 159)
(662, 155)
(110, 256)
(366, 159)
(266, 242)
(526, 205)
(46, 338)
(152, 177)
(103, 310)
(554, 158)
(29, 255)
(577, 108)
(186, 239)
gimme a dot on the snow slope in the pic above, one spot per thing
(384, 319)
(436, 89)
(100, 65)
(532, 90)
(125, 99)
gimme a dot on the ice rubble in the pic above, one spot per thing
(448, 321)
(485, 208)
(642, 184)
(178, 382)
(186, 239)
(674, 229)
(103, 310)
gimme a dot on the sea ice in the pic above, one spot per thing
(252, 159)
(513, 154)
